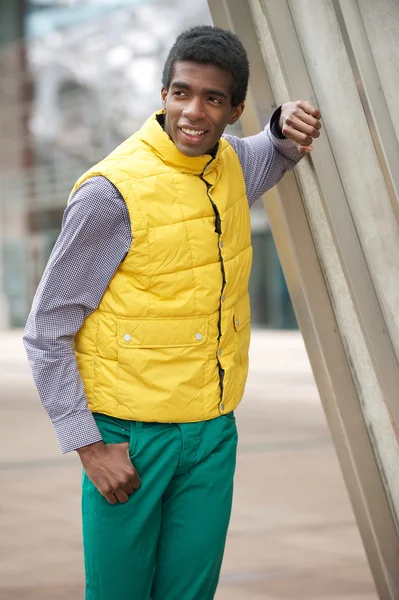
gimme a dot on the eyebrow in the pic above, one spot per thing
(185, 86)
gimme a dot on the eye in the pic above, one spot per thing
(214, 100)
(179, 93)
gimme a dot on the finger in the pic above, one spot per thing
(133, 475)
(310, 109)
(297, 136)
(303, 127)
(129, 488)
(110, 496)
(136, 481)
(304, 116)
(121, 496)
(133, 478)
(106, 490)
(304, 149)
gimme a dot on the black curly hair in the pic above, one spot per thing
(211, 45)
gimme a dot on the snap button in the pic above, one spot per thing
(223, 298)
(127, 337)
(222, 407)
(198, 336)
(220, 244)
(238, 322)
(220, 352)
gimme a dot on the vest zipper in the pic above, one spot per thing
(218, 229)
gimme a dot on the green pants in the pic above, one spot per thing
(167, 541)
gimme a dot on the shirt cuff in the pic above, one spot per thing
(275, 124)
(76, 431)
(287, 147)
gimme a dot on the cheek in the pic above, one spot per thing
(219, 127)
(172, 114)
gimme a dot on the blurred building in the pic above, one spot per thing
(78, 77)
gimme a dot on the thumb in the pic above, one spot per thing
(304, 149)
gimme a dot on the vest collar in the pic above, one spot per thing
(153, 134)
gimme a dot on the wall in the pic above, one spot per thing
(335, 222)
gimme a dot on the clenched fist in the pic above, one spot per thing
(300, 122)
(109, 468)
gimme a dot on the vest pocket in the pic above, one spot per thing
(162, 367)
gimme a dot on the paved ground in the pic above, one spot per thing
(292, 534)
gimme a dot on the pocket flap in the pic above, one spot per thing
(160, 333)
(242, 313)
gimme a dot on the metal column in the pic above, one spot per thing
(335, 224)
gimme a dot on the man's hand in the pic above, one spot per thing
(300, 122)
(109, 468)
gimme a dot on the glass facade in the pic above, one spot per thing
(78, 77)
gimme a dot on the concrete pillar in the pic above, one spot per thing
(335, 223)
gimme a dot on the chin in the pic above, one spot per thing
(191, 152)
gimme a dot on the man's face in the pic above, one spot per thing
(198, 106)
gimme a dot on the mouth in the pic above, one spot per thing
(193, 136)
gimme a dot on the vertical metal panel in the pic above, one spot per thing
(367, 74)
(330, 215)
(338, 247)
(381, 22)
(365, 194)
(354, 152)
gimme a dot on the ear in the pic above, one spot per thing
(236, 113)
(164, 93)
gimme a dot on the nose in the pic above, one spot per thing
(194, 110)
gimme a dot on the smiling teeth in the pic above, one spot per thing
(192, 132)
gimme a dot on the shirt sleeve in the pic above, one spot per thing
(94, 239)
(265, 157)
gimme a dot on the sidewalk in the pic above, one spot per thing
(292, 532)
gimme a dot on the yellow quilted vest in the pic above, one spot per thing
(169, 340)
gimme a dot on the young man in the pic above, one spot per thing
(139, 332)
